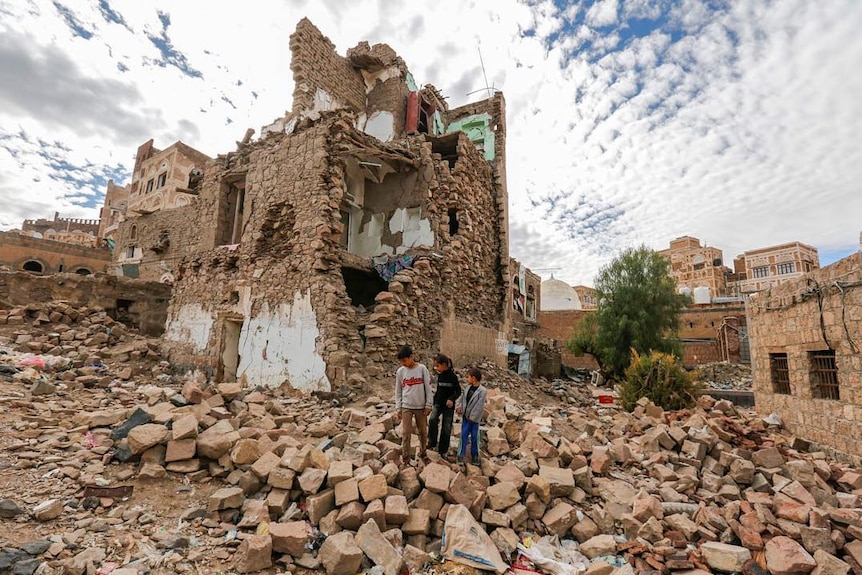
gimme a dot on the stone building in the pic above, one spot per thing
(77, 231)
(695, 266)
(113, 210)
(159, 227)
(763, 268)
(806, 336)
(41, 256)
(587, 296)
(369, 216)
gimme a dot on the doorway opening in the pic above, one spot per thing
(229, 359)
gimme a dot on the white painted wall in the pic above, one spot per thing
(191, 324)
(381, 125)
(416, 231)
(365, 240)
(280, 345)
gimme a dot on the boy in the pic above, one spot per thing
(471, 408)
(412, 401)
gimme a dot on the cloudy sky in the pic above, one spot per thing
(629, 121)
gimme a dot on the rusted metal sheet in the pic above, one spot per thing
(114, 491)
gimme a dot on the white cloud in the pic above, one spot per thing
(738, 126)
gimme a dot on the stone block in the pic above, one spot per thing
(395, 508)
(374, 487)
(340, 555)
(723, 557)
(226, 498)
(371, 541)
(418, 522)
(560, 518)
(253, 554)
(502, 495)
(290, 537)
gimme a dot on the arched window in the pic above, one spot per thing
(83, 272)
(133, 233)
(33, 266)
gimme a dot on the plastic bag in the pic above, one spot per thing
(31, 361)
(548, 555)
(467, 542)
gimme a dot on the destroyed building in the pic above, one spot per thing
(370, 216)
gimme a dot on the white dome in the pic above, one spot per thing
(557, 295)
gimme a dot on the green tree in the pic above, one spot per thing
(638, 309)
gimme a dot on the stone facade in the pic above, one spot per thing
(150, 247)
(696, 266)
(113, 210)
(77, 231)
(807, 366)
(587, 297)
(158, 227)
(763, 268)
(334, 239)
(138, 304)
(40, 256)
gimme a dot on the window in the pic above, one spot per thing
(761, 272)
(130, 251)
(784, 269)
(453, 221)
(149, 187)
(133, 233)
(163, 177)
(780, 373)
(824, 374)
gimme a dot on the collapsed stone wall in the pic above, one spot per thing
(317, 66)
(285, 281)
(495, 107)
(163, 238)
(141, 304)
(819, 312)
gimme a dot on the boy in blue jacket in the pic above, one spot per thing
(471, 409)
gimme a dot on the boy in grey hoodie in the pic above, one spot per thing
(413, 397)
(471, 409)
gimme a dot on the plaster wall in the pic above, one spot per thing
(280, 346)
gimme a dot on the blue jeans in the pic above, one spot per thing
(469, 429)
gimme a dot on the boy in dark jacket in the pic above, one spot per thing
(448, 392)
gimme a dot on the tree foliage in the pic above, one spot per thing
(660, 378)
(638, 309)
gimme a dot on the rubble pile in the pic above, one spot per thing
(286, 483)
(573, 391)
(59, 345)
(724, 376)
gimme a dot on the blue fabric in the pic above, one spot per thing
(388, 270)
(469, 429)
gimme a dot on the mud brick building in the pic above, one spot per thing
(806, 336)
(40, 256)
(369, 216)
